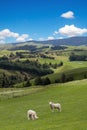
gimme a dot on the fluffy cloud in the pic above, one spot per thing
(30, 39)
(71, 30)
(60, 37)
(44, 39)
(68, 15)
(50, 38)
(6, 33)
(22, 38)
(55, 32)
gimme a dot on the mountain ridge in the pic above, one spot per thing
(72, 41)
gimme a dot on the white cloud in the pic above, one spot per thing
(22, 38)
(42, 39)
(60, 37)
(50, 38)
(7, 33)
(55, 32)
(68, 15)
(30, 39)
(71, 30)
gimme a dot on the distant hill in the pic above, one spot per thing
(74, 41)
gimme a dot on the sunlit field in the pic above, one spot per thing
(73, 99)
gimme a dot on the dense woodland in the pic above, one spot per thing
(75, 57)
(25, 70)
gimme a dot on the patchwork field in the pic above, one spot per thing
(72, 96)
(47, 58)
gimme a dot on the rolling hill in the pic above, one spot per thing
(72, 41)
(73, 99)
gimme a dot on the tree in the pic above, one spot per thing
(38, 81)
(63, 78)
(85, 76)
(57, 80)
(70, 78)
(27, 84)
(61, 63)
(46, 81)
(5, 81)
(11, 55)
(5, 58)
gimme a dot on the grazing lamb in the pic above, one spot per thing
(55, 106)
(31, 114)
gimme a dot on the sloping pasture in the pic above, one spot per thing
(72, 96)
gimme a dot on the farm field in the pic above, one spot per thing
(71, 95)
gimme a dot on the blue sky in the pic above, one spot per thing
(22, 20)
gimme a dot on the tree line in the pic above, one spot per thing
(21, 71)
(74, 57)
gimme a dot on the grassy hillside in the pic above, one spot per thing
(72, 96)
(78, 73)
(77, 70)
(48, 60)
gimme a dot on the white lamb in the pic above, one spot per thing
(31, 114)
(55, 106)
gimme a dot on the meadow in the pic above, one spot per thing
(14, 104)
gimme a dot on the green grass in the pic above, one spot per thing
(47, 60)
(72, 96)
(75, 69)
(4, 52)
